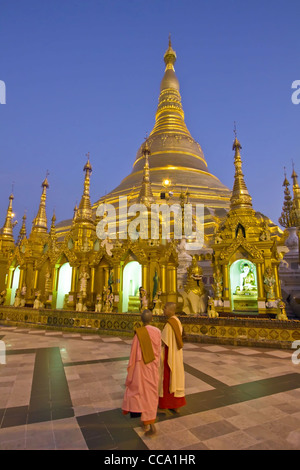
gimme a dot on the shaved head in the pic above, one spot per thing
(146, 316)
(170, 309)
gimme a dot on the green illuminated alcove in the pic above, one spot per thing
(15, 284)
(132, 280)
(243, 285)
(64, 284)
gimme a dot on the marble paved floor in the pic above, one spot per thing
(64, 391)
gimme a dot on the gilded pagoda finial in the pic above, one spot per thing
(146, 196)
(285, 218)
(170, 56)
(84, 210)
(240, 196)
(22, 233)
(40, 222)
(75, 211)
(296, 188)
(7, 229)
(53, 228)
(296, 199)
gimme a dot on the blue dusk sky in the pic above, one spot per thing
(84, 75)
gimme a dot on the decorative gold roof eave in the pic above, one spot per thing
(171, 167)
(180, 152)
(157, 189)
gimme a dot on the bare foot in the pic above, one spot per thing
(176, 410)
(151, 431)
(162, 410)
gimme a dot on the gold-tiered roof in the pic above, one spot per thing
(174, 154)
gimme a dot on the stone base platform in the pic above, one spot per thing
(254, 331)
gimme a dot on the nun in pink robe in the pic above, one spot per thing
(141, 394)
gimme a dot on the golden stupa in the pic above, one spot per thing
(175, 157)
(174, 154)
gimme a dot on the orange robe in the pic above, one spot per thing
(141, 393)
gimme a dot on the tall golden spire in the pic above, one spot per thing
(296, 199)
(240, 196)
(75, 212)
(170, 115)
(146, 196)
(40, 222)
(53, 228)
(22, 233)
(7, 229)
(285, 218)
(84, 211)
(296, 190)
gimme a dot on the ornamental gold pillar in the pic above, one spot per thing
(171, 279)
(36, 276)
(92, 279)
(226, 284)
(21, 278)
(8, 285)
(163, 278)
(72, 293)
(260, 284)
(116, 286)
(277, 286)
(54, 285)
(106, 276)
(9, 277)
(145, 277)
(117, 280)
(74, 277)
(171, 284)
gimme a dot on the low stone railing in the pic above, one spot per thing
(236, 331)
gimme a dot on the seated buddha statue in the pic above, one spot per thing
(247, 279)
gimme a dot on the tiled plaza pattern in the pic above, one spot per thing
(64, 391)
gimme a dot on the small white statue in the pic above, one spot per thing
(98, 305)
(211, 311)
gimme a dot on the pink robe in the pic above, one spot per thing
(141, 394)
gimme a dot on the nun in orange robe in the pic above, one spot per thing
(141, 393)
